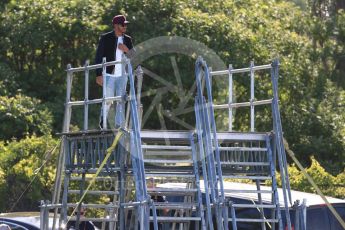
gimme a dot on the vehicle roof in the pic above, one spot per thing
(23, 214)
(311, 199)
(33, 220)
(19, 221)
(30, 218)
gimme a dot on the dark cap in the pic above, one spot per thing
(120, 19)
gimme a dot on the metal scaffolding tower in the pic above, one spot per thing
(130, 178)
(250, 159)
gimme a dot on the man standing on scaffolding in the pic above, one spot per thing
(112, 46)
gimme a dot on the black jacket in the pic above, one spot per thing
(107, 48)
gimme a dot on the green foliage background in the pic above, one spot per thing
(40, 37)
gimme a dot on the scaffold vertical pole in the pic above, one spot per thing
(68, 108)
(202, 157)
(197, 182)
(275, 198)
(230, 97)
(86, 97)
(252, 97)
(104, 102)
(279, 143)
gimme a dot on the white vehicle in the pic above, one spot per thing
(25, 220)
(318, 215)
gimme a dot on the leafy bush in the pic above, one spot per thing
(19, 164)
(22, 115)
(328, 184)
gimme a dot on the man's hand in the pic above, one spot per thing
(123, 47)
(99, 80)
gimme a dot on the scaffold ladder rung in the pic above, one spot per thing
(91, 178)
(245, 163)
(167, 161)
(167, 153)
(93, 170)
(90, 192)
(163, 205)
(172, 174)
(244, 149)
(94, 219)
(247, 177)
(246, 191)
(96, 206)
(166, 147)
(170, 190)
(254, 205)
(176, 219)
(255, 220)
